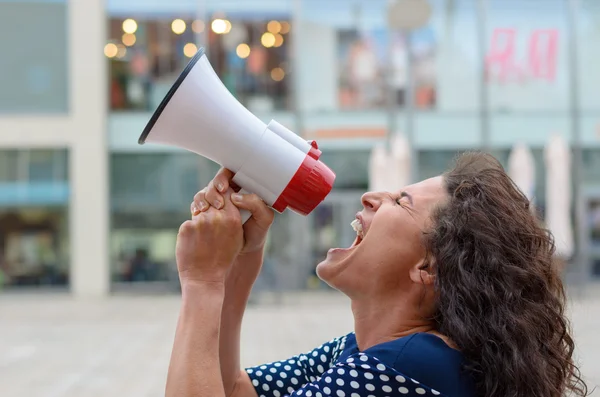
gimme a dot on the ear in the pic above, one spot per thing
(422, 273)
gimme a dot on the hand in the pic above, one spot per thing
(208, 244)
(256, 228)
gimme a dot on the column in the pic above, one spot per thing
(89, 204)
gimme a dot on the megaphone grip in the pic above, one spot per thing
(245, 214)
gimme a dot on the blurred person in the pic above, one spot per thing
(364, 72)
(451, 284)
(140, 266)
(400, 71)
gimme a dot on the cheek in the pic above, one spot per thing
(401, 245)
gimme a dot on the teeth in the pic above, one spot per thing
(357, 226)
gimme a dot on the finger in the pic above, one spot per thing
(227, 204)
(199, 204)
(223, 179)
(194, 208)
(213, 196)
(230, 211)
(205, 216)
(261, 212)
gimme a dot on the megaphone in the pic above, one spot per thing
(200, 115)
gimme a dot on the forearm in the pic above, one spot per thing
(194, 370)
(238, 287)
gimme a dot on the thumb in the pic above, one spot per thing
(261, 212)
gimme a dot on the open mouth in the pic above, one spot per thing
(360, 234)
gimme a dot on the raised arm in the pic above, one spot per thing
(240, 279)
(207, 246)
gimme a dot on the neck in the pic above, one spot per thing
(379, 320)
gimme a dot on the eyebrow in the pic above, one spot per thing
(408, 196)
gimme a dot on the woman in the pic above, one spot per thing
(451, 283)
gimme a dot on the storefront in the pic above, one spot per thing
(34, 230)
(322, 69)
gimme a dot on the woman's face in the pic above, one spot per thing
(388, 253)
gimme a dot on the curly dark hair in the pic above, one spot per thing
(500, 299)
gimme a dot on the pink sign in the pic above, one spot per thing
(503, 63)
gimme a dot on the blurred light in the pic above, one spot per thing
(190, 49)
(285, 27)
(121, 51)
(278, 40)
(243, 50)
(129, 26)
(220, 26)
(274, 27)
(110, 50)
(268, 39)
(198, 26)
(227, 26)
(178, 26)
(277, 74)
(129, 39)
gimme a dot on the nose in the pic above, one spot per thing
(372, 200)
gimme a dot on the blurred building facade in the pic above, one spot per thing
(82, 204)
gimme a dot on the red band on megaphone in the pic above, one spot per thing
(308, 187)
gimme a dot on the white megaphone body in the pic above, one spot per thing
(200, 115)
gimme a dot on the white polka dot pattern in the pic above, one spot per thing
(295, 372)
(358, 375)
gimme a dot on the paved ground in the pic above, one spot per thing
(53, 346)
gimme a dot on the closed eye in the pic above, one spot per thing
(408, 196)
(407, 206)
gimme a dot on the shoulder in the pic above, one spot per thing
(419, 346)
(426, 358)
(362, 374)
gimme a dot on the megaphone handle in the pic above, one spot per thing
(245, 214)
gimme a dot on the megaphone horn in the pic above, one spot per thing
(200, 115)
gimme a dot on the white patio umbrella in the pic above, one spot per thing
(378, 169)
(558, 195)
(390, 170)
(521, 169)
(400, 174)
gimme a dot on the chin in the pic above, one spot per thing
(333, 269)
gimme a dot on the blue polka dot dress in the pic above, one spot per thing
(416, 365)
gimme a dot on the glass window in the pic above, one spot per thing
(343, 47)
(34, 57)
(34, 165)
(588, 36)
(435, 162)
(150, 198)
(351, 41)
(34, 238)
(157, 181)
(250, 54)
(351, 168)
(455, 48)
(47, 165)
(9, 169)
(591, 165)
(527, 55)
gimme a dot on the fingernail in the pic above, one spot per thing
(217, 204)
(220, 187)
(236, 197)
(202, 205)
(195, 210)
